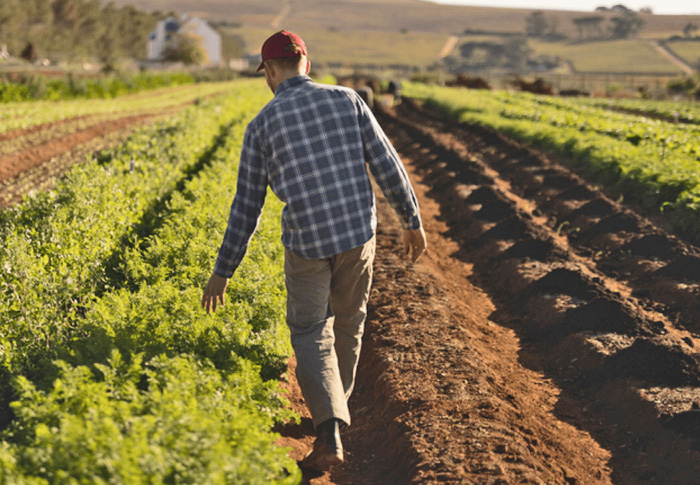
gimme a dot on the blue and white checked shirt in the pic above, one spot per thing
(312, 144)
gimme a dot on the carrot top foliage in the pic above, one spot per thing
(109, 369)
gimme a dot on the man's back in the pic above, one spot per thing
(312, 145)
(311, 140)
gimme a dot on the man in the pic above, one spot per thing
(312, 144)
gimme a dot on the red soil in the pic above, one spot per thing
(518, 351)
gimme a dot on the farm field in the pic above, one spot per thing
(413, 32)
(550, 333)
(650, 162)
(40, 140)
(687, 50)
(632, 56)
(416, 49)
(389, 16)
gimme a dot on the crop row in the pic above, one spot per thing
(651, 162)
(16, 116)
(661, 137)
(39, 87)
(44, 177)
(118, 375)
(677, 111)
(51, 132)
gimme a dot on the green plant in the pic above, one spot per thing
(649, 161)
(117, 374)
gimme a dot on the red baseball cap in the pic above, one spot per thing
(278, 45)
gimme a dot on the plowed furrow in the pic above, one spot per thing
(605, 301)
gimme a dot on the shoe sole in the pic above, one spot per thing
(322, 464)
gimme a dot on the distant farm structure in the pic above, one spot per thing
(170, 33)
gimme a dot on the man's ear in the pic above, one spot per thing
(269, 69)
(308, 66)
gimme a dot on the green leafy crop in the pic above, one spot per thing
(109, 369)
(650, 161)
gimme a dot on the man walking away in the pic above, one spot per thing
(313, 145)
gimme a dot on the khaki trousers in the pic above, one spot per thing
(326, 311)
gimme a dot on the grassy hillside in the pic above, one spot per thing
(689, 51)
(615, 56)
(413, 32)
(417, 49)
(391, 15)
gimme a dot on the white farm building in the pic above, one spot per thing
(167, 29)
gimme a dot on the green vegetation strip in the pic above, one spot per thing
(21, 115)
(655, 163)
(117, 374)
(682, 111)
(39, 87)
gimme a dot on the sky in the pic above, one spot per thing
(661, 7)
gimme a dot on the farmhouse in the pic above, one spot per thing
(167, 30)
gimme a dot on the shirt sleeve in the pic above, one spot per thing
(246, 208)
(388, 170)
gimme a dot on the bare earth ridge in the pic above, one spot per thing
(518, 351)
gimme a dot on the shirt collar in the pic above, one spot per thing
(291, 82)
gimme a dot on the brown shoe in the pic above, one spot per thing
(328, 450)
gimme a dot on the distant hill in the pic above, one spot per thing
(418, 33)
(387, 15)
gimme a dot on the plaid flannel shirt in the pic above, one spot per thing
(312, 144)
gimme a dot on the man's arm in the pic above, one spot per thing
(243, 220)
(391, 176)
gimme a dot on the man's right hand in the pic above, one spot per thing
(414, 243)
(214, 292)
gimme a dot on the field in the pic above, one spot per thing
(416, 49)
(389, 16)
(618, 56)
(688, 51)
(412, 32)
(550, 334)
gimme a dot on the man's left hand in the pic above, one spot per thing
(414, 243)
(214, 292)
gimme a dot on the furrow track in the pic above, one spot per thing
(605, 302)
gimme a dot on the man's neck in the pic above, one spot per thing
(283, 76)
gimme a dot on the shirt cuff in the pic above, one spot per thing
(223, 270)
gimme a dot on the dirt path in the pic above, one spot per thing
(526, 346)
(284, 12)
(677, 61)
(448, 47)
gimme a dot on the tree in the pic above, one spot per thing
(536, 25)
(70, 28)
(38, 12)
(516, 53)
(553, 32)
(187, 48)
(690, 29)
(66, 13)
(625, 25)
(232, 46)
(12, 18)
(590, 26)
(620, 8)
(29, 53)
(683, 85)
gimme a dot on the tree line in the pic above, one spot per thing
(81, 29)
(621, 26)
(69, 29)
